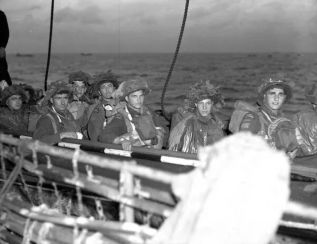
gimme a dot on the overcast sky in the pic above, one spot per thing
(153, 25)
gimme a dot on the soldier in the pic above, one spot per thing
(104, 110)
(14, 117)
(267, 119)
(79, 102)
(200, 127)
(306, 123)
(58, 122)
(134, 124)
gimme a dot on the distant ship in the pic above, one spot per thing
(24, 55)
(86, 54)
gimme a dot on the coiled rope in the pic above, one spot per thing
(180, 37)
(49, 46)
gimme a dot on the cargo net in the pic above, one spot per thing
(57, 195)
(53, 194)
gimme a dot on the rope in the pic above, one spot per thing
(10, 181)
(25, 187)
(40, 190)
(34, 154)
(58, 197)
(76, 176)
(3, 165)
(49, 45)
(90, 175)
(92, 197)
(119, 34)
(174, 59)
(80, 238)
(100, 211)
(28, 232)
(48, 162)
(43, 232)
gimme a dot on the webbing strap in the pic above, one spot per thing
(53, 123)
(134, 132)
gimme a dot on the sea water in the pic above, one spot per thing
(238, 74)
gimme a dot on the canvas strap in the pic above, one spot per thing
(53, 123)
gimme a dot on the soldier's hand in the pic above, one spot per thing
(126, 145)
(68, 135)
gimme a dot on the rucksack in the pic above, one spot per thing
(240, 110)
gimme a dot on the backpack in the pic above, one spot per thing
(240, 110)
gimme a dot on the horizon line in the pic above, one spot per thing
(113, 53)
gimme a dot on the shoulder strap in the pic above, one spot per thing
(130, 125)
(53, 122)
(274, 125)
(262, 121)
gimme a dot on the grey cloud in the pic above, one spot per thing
(223, 6)
(65, 15)
(35, 7)
(213, 25)
(199, 13)
(89, 15)
(148, 21)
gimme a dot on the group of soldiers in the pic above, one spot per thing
(294, 134)
(94, 108)
(100, 109)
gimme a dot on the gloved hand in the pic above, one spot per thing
(75, 135)
(126, 145)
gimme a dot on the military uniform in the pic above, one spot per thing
(14, 121)
(306, 124)
(140, 127)
(196, 131)
(52, 124)
(78, 108)
(276, 129)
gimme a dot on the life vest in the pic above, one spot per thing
(267, 124)
(140, 128)
(62, 124)
(241, 109)
(272, 125)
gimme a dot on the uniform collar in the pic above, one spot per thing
(134, 111)
(204, 119)
(270, 113)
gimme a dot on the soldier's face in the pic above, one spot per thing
(106, 90)
(60, 101)
(204, 107)
(14, 102)
(135, 99)
(274, 98)
(79, 88)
